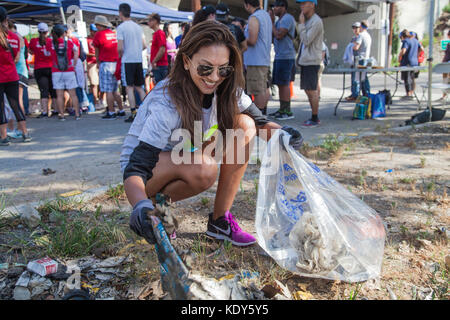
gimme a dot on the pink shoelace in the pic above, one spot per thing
(232, 221)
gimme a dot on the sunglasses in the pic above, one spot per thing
(204, 70)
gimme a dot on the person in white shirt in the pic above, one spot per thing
(131, 42)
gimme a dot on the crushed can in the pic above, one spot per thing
(43, 267)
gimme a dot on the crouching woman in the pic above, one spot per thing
(203, 90)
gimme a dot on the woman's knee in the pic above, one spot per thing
(205, 175)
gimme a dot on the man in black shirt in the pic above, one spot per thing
(222, 15)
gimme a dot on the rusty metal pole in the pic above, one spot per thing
(391, 32)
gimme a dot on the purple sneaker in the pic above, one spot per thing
(227, 228)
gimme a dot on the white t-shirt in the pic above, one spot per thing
(131, 34)
(157, 119)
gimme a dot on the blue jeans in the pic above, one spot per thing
(356, 85)
(160, 73)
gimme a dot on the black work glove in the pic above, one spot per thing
(139, 222)
(296, 139)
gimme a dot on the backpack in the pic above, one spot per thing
(83, 54)
(61, 55)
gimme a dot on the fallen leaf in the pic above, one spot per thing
(302, 295)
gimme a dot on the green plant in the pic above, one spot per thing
(354, 292)
(116, 192)
(446, 9)
(78, 235)
(407, 180)
(204, 201)
(423, 162)
(332, 144)
(59, 205)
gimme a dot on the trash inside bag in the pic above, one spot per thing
(310, 224)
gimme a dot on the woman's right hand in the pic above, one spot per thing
(139, 221)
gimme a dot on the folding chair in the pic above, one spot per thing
(440, 68)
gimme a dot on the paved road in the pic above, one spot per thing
(85, 153)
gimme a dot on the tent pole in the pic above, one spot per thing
(61, 10)
(430, 54)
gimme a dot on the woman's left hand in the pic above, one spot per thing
(296, 139)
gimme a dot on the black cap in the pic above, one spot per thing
(209, 9)
(222, 9)
(58, 29)
(3, 14)
(281, 3)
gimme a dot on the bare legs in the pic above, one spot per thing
(186, 180)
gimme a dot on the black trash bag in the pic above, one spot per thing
(422, 117)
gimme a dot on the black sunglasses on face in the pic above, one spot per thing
(204, 70)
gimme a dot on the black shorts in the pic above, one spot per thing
(43, 78)
(134, 75)
(309, 77)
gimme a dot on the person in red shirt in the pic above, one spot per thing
(9, 80)
(92, 65)
(158, 52)
(43, 68)
(105, 43)
(64, 54)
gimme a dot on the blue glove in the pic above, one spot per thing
(139, 221)
(296, 139)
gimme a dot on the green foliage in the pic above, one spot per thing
(78, 235)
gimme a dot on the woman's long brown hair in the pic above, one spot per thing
(183, 91)
(3, 36)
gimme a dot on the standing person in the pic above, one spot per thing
(64, 55)
(240, 23)
(356, 42)
(364, 56)
(310, 29)
(158, 52)
(205, 86)
(445, 76)
(43, 68)
(323, 64)
(105, 43)
(257, 55)
(222, 15)
(171, 46)
(131, 42)
(408, 57)
(180, 36)
(283, 34)
(9, 80)
(22, 70)
(92, 69)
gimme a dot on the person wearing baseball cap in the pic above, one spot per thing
(310, 30)
(222, 15)
(107, 55)
(207, 12)
(43, 68)
(312, 1)
(9, 80)
(92, 68)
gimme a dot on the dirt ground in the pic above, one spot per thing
(403, 175)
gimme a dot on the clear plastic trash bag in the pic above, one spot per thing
(310, 224)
